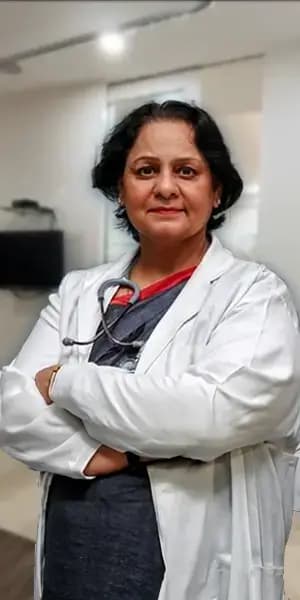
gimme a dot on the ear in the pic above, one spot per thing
(217, 198)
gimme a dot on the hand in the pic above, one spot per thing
(43, 379)
(105, 461)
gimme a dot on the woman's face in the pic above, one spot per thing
(167, 187)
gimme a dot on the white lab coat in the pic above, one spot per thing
(217, 384)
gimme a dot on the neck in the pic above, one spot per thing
(165, 258)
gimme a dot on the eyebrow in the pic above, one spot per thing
(179, 159)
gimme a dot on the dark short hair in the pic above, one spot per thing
(107, 174)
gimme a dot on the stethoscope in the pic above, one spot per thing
(136, 344)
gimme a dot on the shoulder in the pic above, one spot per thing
(254, 282)
(249, 272)
(244, 280)
(238, 272)
(83, 278)
(80, 277)
(71, 286)
(257, 273)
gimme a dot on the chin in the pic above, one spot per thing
(165, 232)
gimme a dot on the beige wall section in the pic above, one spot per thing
(225, 89)
(232, 88)
(19, 498)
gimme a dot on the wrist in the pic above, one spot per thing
(106, 461)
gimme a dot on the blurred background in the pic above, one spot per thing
(68, 71)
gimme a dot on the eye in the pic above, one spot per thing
(145, 171)
(186, 171)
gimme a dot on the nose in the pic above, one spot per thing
(166, 185)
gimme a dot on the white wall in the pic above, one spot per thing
(278, 236)
(47, 145)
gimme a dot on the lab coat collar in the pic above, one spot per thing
(191, 299)
(188, 303)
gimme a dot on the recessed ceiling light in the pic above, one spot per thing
(112, 43)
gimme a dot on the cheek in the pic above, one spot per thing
(201, 199)
(135, 193)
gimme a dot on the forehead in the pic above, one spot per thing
(165, 138)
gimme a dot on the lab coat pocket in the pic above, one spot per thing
(267, 583)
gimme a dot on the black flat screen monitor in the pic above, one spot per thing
(31, 259)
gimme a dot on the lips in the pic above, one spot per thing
(163, 210)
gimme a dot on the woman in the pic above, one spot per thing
(207, 397)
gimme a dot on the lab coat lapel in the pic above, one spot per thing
(189, 302)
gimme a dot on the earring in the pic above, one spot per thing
(218, 202)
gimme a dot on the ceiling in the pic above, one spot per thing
(225, 31)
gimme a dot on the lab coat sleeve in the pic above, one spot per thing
(45, 438)
(242, 389)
